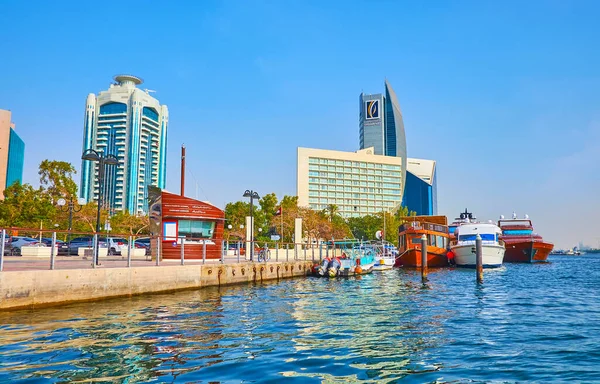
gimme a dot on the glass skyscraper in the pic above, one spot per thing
(16, 157)
(129, 123)
(420, 191)
(381, 126)
(12, 153)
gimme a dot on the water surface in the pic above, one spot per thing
(525, 323)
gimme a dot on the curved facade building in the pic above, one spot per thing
(381, 126)
(127, 122)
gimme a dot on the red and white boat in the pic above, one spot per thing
(522, 244)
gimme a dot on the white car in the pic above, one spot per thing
(13, 246)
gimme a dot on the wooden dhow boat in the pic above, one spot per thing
(409, 241)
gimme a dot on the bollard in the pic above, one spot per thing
(182, 250)
(3, 239)
(424, 258)
(158, 251)
(312, 249)
(320, 251)
(129, 245)
(203, 251)
(479, 258)
(326, 250)
(287, 252)
(52, 250)
(239, 250)
(276, 251)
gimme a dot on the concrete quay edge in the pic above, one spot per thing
(43, 288)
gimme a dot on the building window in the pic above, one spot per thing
(196, 229)
(112, 108)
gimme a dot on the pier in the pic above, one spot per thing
(24, 285)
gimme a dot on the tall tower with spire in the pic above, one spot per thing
(129, 123)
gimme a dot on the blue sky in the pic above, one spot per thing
(504, 95)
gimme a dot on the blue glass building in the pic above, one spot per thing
(12, 153)
(16, 157)
(129, 123)
(420, 191)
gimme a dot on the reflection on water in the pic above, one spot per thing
(526, 322)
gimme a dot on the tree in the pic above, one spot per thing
(289, 212)
(268, 204)
(235, 215)
(124, 222)
(57, 177)
(24, 206)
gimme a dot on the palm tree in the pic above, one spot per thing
(332, 210)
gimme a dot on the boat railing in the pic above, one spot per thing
(417, 225)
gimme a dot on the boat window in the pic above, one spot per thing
(416, 240)
(517, 232)
(431, 240)
(441, 241)
(484, 237)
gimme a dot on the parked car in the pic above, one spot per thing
(117, 245)
(14, 244)
(143, 242)
(81, 242)
(48, 242)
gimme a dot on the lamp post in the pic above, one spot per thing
(70, 206)
(252, 195)
(103, 160)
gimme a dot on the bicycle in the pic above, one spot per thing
(264, 254)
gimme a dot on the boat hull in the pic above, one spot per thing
(492, 255)
(383, 263)
(412, 258)
(527, 251)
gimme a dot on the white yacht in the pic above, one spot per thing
(464, 247)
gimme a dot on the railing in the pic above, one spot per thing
(423, 226)
(161, 251)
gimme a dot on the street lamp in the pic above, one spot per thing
(252, 195)
(70, 206)
(103, 160)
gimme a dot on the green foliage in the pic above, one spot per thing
(323, 225)
(123, 222)
(25, 206)
(57, 177)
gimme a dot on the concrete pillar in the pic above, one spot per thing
(248, 239)
(298, 231)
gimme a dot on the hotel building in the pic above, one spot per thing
(359, 183)
(12, 153)
(129, 123)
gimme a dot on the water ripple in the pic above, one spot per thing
(525, 323)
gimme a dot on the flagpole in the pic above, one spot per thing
(281, 208)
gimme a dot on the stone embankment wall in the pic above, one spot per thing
(30, 289)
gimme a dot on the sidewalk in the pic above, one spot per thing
(19, 263)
